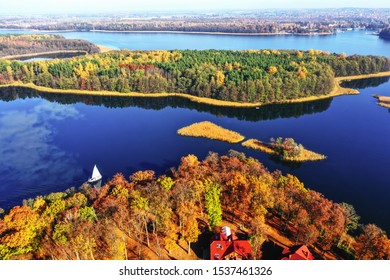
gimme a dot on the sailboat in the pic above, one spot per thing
(96, 176)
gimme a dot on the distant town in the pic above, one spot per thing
(300, 22)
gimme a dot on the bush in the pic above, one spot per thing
(287, 147)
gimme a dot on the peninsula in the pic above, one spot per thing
(217, 77)
(385, 34)
(25, 46)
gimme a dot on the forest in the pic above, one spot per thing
(38, 43)
(265, 76)
(145, 216)
(385, 34)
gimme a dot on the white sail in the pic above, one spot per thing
(96, 176)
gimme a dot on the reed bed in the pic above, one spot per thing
(210, 130)
(305, 155)
(258, 145)
(384, 101)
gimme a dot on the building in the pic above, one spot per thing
(297, 253)
(226, 246)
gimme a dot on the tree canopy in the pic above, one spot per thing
(125, 216)
(265, 76)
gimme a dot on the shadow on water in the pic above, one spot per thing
(50, 56)
(365, 83)
(293, 165)
(267, 112)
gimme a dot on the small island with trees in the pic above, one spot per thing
(286, 149)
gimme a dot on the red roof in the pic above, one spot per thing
(222, 247)
(297, 253)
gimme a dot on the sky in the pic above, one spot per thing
(98, 6)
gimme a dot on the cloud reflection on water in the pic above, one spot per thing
(30, 161)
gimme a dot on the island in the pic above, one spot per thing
(247, 78)
(285, 149)
(210, 130)
(384, 101)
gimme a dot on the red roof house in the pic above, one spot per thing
(226, 246)
(297, 253)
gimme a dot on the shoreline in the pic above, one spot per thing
(337, 91)
(180, 32)
(32, 55)
(211, 32)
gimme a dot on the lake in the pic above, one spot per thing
(350, 42)
(50, 142)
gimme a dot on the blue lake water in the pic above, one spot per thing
(51, 142)
(350, 42)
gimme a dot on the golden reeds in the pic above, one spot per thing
(258, 145)
(384, 101)
(212, 131)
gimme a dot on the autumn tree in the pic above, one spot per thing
(24, 228)
(140, 207)
(171, 238)
(372, 244)
(213, 203)
(258, 235)
(191, 231)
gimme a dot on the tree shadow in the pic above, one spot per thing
(271, 251)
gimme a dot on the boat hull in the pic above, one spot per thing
(93, 180)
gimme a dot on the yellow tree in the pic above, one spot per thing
(170, 238)
(23, 227)
(219, 78)
(140, 207)
(191, 231)
(272, 70)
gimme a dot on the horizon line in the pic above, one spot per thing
(193, 11)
